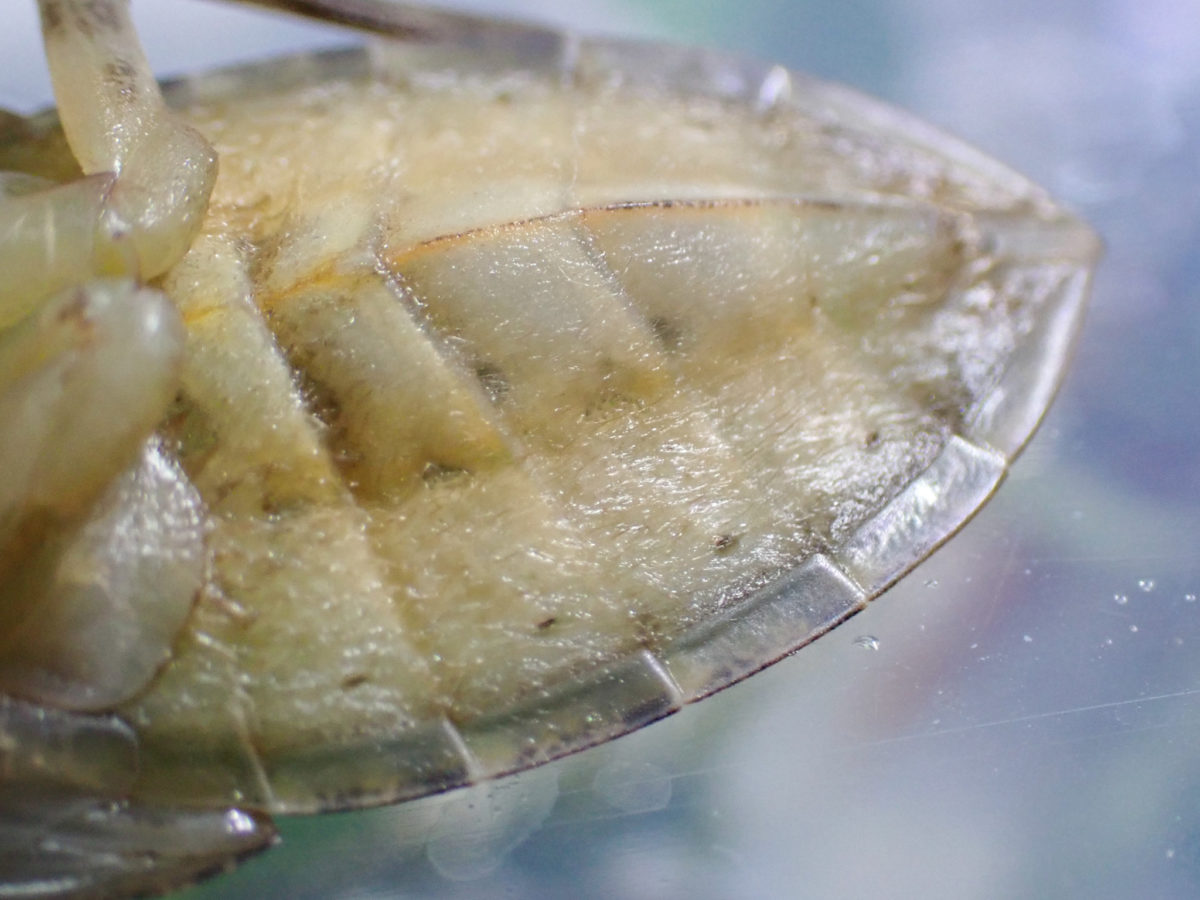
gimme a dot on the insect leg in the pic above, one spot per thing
(99, 562)
(116, 122)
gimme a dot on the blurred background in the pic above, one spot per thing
(1021, 716)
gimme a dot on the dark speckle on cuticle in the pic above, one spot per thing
(123, 76)
(52, 17)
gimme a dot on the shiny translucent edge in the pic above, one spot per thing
(1008, 416)
(846, 107)
(58, 846)
(801, 604)
(67, 829)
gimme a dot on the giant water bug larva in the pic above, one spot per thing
(378, 422)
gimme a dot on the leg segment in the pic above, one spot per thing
(99, 562)
(116, 122)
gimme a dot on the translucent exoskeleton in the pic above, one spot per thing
(379, 422)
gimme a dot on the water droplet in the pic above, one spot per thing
(238, 823)
(1027, 639)
(1133, 628)
(867, 642)
(1108, 642)
(1170, 853)
(1120, 599)
(931, 583)
(1189, 598)
(1145, 585)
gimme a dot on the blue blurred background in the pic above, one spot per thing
(1021, 716)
